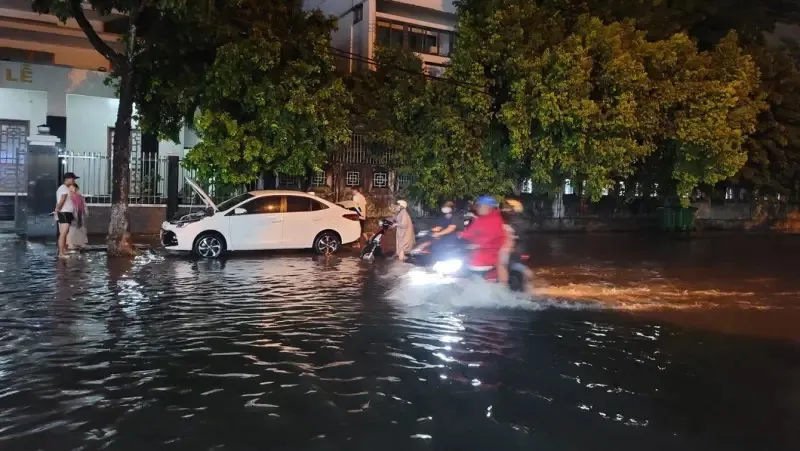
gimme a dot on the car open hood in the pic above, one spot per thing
(203, 195)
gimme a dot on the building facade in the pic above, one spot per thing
(424, 26)
(51, 75)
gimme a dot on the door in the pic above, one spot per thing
(260, 225)
(303, 220)
(13, 173)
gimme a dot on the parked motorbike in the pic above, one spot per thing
(373, 247)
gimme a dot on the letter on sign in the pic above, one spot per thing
(25, 74)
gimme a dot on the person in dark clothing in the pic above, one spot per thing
(444, 231)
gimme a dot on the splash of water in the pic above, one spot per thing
(418, 288)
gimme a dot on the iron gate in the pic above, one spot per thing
(13, 173)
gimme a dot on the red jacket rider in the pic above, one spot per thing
(487, 233)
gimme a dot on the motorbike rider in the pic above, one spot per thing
(487, 233)
(508, 210)
(444, 229)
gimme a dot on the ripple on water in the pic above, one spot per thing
(292, 352)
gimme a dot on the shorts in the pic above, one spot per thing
(363, 225)
(65, 217)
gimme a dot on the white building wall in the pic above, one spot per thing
(58, 82)
(438, 5)
(24, 105)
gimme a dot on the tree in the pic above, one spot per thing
(773, 165)
(123, 73)
(577, 98)
(258, 81)
(438, 127)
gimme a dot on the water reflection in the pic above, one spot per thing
(295, 352)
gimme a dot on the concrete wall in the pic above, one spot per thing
(144, 220)
(32, 92)
(56, 81)
(438, 5)
(24, 105)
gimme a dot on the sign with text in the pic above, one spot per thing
(17, 73)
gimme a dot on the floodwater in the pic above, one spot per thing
(629, 343)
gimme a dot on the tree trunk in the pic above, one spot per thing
(119, 238)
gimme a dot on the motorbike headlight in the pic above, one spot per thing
(447, 267)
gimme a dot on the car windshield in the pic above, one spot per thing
(233, 201)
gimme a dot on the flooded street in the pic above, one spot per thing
(629, 343)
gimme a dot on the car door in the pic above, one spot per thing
(303, 220)
(257, 224)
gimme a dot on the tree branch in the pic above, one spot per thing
(97, 42)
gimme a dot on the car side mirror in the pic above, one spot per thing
(239, 211)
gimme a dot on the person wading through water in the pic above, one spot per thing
(361, 203)
(404, 235)
(64, 212)
(77, 238)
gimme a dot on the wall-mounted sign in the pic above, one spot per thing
(22, 73)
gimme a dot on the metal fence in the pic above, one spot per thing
(148, 184)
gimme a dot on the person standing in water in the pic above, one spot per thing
(404, 235)
(77, 238)
(64, 212)
(361, 203)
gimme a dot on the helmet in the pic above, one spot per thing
(488, 201)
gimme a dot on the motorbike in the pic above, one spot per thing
(449, 260)
(373, 247)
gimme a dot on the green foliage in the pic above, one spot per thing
(773, 164)
(437, 128)
(573, 97)
(260, 80)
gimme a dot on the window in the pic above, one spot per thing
(390, 34)
(263, 205)
(403, 181)
(728, 193)
(568, 188)
(358, 14)
(319, 179)
(527, 186)
(415, 38)
(297, 204)
(352, 178)
(233, 201)
(380, 180)
(654, 193)
(317, 205)
(423, 41)
(445, 42)
(289, 181)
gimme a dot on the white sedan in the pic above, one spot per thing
(261, 220)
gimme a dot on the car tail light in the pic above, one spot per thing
(524, 257)
(351, 216)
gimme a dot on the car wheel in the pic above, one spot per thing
(327, 243)
(209, 245)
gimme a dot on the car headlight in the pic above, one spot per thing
(447, 267)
